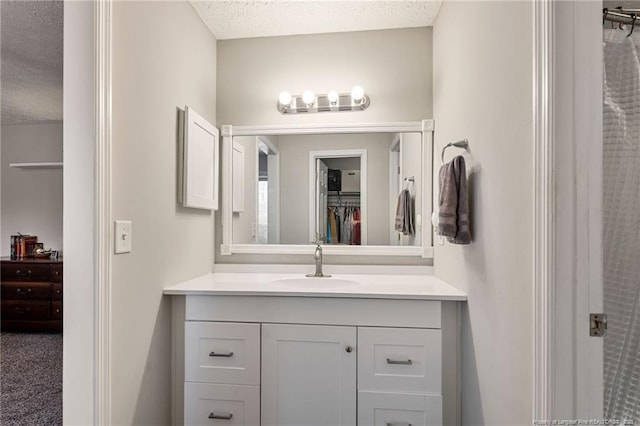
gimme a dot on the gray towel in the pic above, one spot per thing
(404, 213)
(453, 202)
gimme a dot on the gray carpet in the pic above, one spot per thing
(30, 379)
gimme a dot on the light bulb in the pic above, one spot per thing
(357, 94)
(285, 98)
(308, 97)
(332, 96)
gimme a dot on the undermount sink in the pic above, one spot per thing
(315, 282)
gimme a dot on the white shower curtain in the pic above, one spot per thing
(622, 224)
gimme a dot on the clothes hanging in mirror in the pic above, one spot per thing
(343, 225)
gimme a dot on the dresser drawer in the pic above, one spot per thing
(23, 310)
(56, 291)
(397, 409)
(225, 353)
(400, 360)
(25, 291)
(209, 404)
(56, 272)
(25, 272)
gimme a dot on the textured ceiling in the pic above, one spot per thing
(31, 61)
(263, 18)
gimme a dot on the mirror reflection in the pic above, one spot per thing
(345, 189)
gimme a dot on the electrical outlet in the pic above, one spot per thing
(123, 236)
(254, 229)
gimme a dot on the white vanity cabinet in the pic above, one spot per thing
(308, 375)
(276, 360)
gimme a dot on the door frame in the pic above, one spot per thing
(87, 220)
(568, 369)
(547, 265)
(339, 153)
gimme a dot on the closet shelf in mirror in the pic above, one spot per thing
(343, 194)
(38, 165)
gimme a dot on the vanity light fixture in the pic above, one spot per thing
(357, 100)
(333, 97)
(285, 99)
(308, 97)
(357, 94)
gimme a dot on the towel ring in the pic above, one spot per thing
(464, 143)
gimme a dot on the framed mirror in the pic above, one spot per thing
(361, 189)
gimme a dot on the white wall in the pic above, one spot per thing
(393, 66)
(411, 153)
(31, 198)
(483, 56)
(163, 59)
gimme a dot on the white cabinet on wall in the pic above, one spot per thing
(251, 360)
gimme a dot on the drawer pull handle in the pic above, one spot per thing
(23, 273)
(23, 292)
(221, 416)
(401, 362)
(398, 424)
(221, 354)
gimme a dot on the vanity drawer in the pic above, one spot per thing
(25, 291)
(25, 272)
(400, 360)
(398, 409)
(209, 404)
(222, 353)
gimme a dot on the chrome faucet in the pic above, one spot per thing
(317, 256)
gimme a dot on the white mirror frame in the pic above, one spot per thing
(425, 127)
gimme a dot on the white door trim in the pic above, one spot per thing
(544, 228)
(568, 366)
(103, 213)
(579, 237)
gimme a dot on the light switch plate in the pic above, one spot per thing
(123, 236)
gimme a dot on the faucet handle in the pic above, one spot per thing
(317, 241)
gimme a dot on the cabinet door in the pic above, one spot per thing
(308, 375)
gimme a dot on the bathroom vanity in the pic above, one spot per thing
(283, 349)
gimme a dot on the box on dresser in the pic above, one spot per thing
(31, 295)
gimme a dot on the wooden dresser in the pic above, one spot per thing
(31, 295)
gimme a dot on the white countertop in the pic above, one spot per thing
(425, 287)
